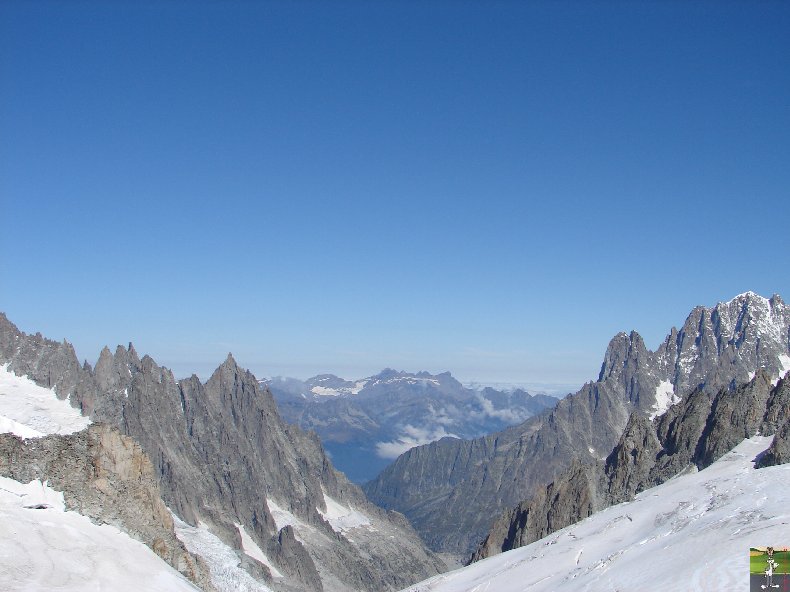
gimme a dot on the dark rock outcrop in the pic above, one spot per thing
(777, 407)
(778, 452)
(777, 421)
(627, 468)
(570, 498)
(735, 415)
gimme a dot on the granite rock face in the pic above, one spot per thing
(452, 490)
(778, 452)
(571, 498)
(582, 489)
(777, 407)
(106, 476)
(223, 457)
(627, 468)
(735, 415)
(691, 435)
(777, 421)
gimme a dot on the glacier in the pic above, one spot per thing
(691, 533)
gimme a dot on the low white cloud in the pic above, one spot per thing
(441, 417)
(412, 436)
(512, 416)
(486, 410)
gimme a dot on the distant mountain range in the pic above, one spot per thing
(365, 424)
(453, 490)
(227, 495)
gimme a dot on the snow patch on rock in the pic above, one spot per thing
(342, 518)
(784, 360)
(14, 427)
(283, 517)
(324, 391)
(32, 411)
(251, 548)
(358, 386)
(784, 367)
(34, 494)
(665, 398)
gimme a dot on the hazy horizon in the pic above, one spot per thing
(490, 189)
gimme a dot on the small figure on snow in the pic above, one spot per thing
(769, 571)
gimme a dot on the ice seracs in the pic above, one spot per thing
(36, 495)
(226, 573)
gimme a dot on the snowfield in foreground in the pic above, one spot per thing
(42, 547)
(690, 533)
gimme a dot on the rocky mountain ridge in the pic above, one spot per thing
(716, 348)
(691, 435)
(224, 460)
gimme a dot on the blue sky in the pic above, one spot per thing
(494, 189)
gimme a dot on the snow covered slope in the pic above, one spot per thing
(690, 533)
(31, 411)
(42, 547)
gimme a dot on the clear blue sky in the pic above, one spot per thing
(493, 189)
